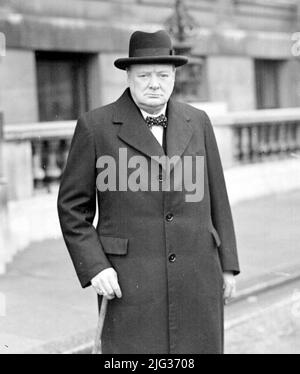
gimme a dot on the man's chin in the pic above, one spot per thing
(154, 102)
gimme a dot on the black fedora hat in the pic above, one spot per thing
(147, 48)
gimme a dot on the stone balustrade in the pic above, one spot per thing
(35, 154)
(257, 136)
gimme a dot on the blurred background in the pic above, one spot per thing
(56, 62)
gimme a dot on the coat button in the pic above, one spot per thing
(172, 257)
(169, 217)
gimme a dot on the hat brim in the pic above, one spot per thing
(176, 60)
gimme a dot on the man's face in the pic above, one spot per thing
(151, 85)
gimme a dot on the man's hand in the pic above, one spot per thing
(229, 286)
(106, 283)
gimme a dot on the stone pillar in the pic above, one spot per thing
(19, 102)
(231, 79)
(3, 204)
(18, 87)
(113, 81)
(3, 199)
(226, 144)
(289, 83)
(18, 169)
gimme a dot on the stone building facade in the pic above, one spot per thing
(59, 54)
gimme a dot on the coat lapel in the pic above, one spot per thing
(135, 132)
(179, 131)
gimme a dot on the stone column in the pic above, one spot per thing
(226, 141)
(231, 79)
(2, 182)
(17, 168)
(18, 87)
(3, 205)
(112, 81)
(289, 83)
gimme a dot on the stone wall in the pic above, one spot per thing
(231, 79)
(230, 35)
(3, 202)
(105, 25)
(18, 88)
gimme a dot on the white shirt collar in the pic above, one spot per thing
(162, 111)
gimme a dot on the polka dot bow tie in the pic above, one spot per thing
(157, 121)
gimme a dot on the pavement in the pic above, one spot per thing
(44, 310)
(265, 323)
(267, 231)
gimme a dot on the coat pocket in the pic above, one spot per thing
(217, 241)
(215, 235)
(114, 246)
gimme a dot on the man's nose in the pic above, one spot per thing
(154, 84)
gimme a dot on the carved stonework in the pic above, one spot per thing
(225, 11)
(182, 27)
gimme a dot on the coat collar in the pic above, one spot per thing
(135, 132)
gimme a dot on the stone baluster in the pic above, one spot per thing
(259, 134)
(53, 172)
(255, 143)
(291, 136)
(265, 141)
(282, 138)
(269, 140)
(246, 143)
(296, 136)
(237, 147)
(37, 164)
(273, 141)
(287, 138)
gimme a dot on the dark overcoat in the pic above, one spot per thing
(169, 254)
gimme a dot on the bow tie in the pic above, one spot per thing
(157, 121)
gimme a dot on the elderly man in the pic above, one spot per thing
(166, 263)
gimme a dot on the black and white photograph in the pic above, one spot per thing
(149, 179)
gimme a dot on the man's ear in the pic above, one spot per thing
(128, 73)
(174, 70)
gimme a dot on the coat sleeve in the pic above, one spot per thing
(76, 206)
(220, 207)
